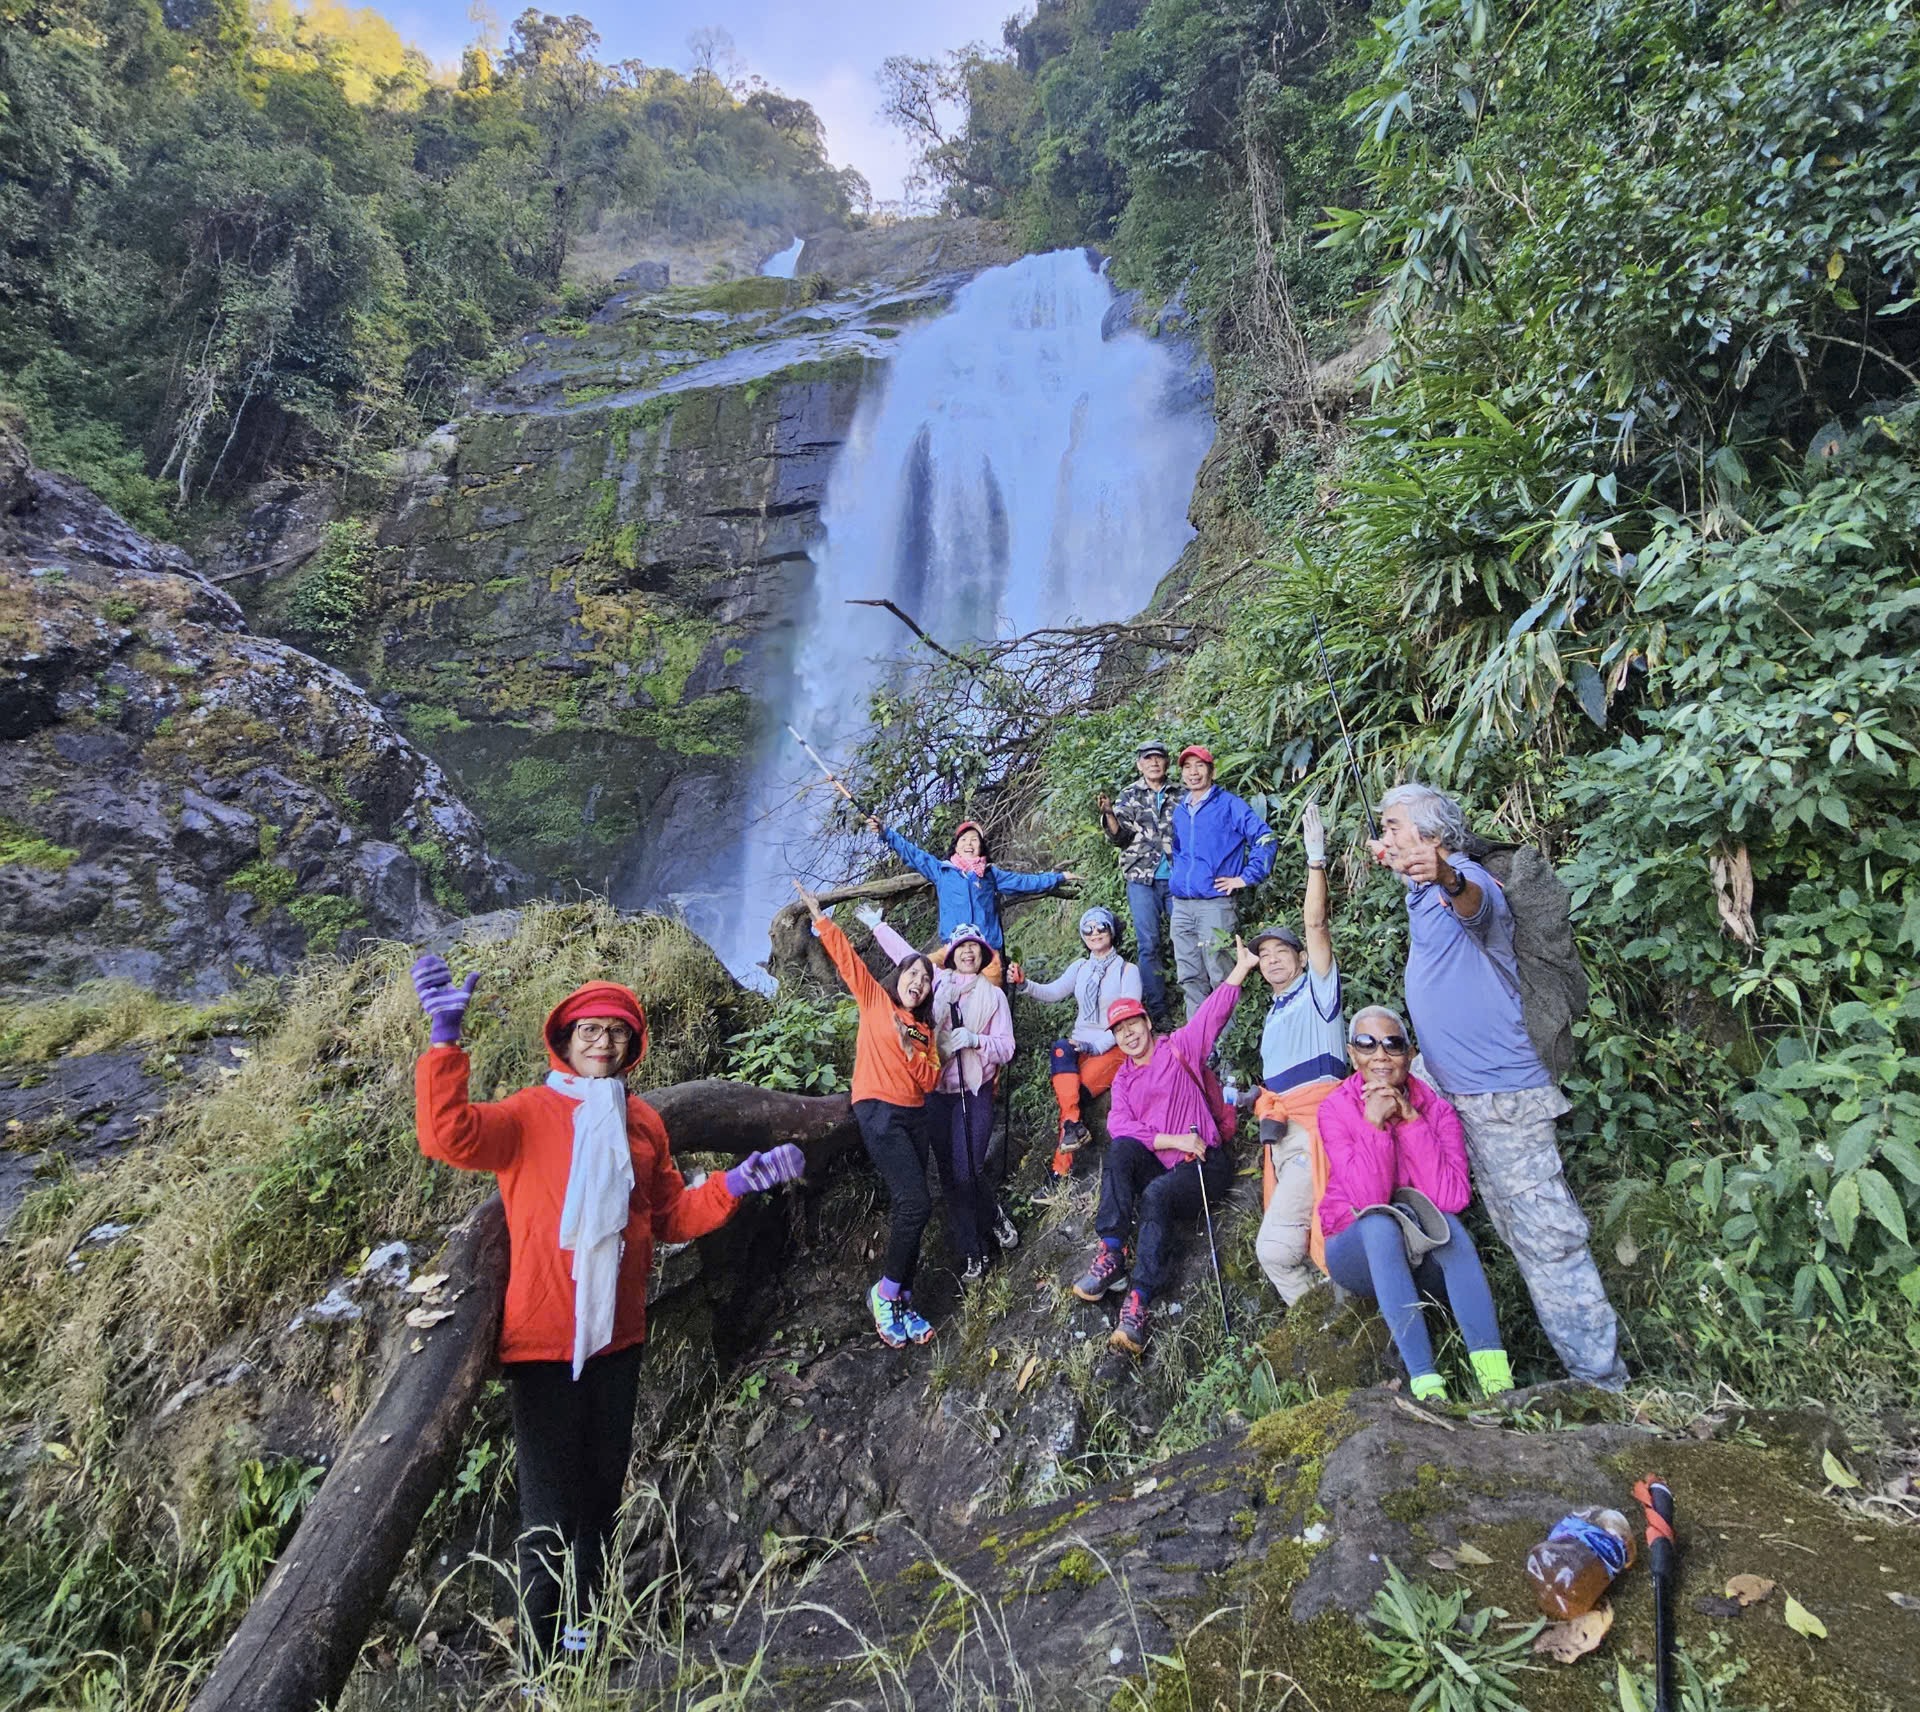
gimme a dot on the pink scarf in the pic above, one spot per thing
(974, 865)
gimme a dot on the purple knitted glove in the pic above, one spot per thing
(759, 1171)
(444, 1003)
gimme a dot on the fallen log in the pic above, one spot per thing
(296, 1645)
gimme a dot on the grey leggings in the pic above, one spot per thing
(1369, 1258)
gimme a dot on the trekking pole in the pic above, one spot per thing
(1213, 1252)
(1353, 761)
(1656, 1500)
(833, 778)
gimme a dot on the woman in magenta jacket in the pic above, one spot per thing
(1385, 1130)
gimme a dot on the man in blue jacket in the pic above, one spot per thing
(1220, 846)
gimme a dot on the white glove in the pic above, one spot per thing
(870, 913)
(1313, 834)
(959, 1039)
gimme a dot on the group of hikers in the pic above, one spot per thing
(1370, 1153)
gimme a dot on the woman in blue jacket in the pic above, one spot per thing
(969, 886)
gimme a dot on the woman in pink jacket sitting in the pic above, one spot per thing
(1386, 1131)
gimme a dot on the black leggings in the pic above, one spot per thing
(896, 1138)
(572, 1440)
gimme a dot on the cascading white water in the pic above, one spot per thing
(1017, 470)
(781, 266)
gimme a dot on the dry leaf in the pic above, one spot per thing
(1142, 1487)
(1576, 1637)
(1733, 893)
(1471, 1555)
(1443, 1560)
(1028, 1369)
(1803, 1622)
(1837, 1472)
(427, 1281)
(421, 1318)
(416, 1346)
(1905, 1601)
(1749, 1589)
(993, 1356)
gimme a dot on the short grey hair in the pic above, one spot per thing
(1386, 1011)
(1434, 814)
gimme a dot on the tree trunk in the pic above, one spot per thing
(296, 1646)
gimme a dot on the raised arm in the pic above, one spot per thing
(1205, 1027)
(450, 1126)
(920, 861)
(859, 979)
(893, 944)
(1315, 917)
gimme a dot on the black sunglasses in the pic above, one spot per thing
(1397, 1044)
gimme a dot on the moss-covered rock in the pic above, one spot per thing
(188, 803)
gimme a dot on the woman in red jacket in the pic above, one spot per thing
(896, 1064)
(589, 1186)
(1393, 1143)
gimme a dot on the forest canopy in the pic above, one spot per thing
(263, 236)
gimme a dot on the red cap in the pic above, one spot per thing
(604, 999)
(1121, 1009)
(1198, 750)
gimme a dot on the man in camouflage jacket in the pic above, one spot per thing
(1140, 821)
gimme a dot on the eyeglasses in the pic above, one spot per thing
(592, 1033)
(1397, 1044)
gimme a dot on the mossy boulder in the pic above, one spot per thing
(189, 803)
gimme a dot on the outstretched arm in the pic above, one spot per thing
(893, 944)
(1315, 918)
(859, 979)
(920, 861)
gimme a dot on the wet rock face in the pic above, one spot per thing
(186, 802)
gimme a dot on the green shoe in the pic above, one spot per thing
(1428, 1387)
(1491, 1368)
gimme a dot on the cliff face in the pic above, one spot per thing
(582, 588)
(185, 802)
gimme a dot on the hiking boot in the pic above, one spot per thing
(1004, 1232)
(1131, 1333)
(1106, 1273)
(1060, 1171)
(918, 1329)
(975, 1269)
(889, 1319)
(1074, 1135)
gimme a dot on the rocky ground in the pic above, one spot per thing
(186, 802)
(1014, 1516)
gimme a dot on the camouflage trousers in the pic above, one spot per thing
(1515, 1157)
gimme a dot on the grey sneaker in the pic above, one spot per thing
(975, 1270)
(1004, 1232)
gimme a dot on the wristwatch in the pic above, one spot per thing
(1459, 884)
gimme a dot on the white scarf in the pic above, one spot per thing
(977, 1010)
(599, 1187)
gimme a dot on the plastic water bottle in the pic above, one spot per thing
(1572, 1568)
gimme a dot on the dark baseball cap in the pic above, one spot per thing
(1285, 935)
(1156, 747)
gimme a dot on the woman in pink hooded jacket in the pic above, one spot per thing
(1386, 1132)
(974, 1030)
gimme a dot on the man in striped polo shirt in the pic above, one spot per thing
(1303, 1056)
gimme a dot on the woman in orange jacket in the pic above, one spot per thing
(589, 1186)
(896, 1064)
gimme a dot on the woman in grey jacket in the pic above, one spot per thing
(1087, 1061)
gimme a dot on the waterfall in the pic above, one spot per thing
(1017, 469)
(782, 265)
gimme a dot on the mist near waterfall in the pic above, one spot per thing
(1016, 468)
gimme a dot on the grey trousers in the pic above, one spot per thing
(1202, 946)
(1284, 1245)
(1515, 1157)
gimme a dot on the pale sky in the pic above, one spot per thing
(824, 51)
